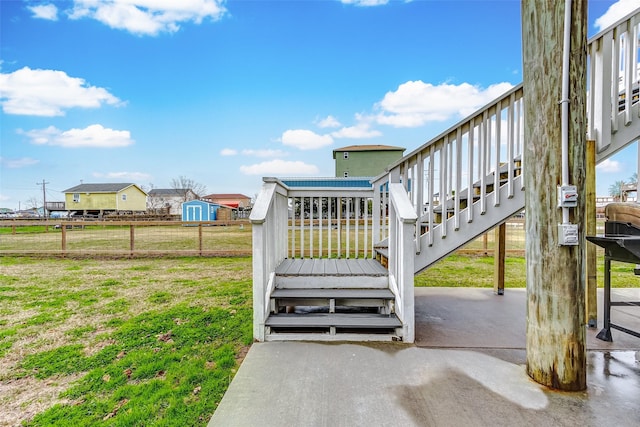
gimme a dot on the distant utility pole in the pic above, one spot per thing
(44, 196)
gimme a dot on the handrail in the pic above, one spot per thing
(402, 221)
(613, 110)
(269, 228)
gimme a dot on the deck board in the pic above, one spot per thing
(306, 267)
(355, 266)
(330, 267)
(318, 267)
(343, 268)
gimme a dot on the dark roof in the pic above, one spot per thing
(175, 192)
(98, 188)
(370, 148)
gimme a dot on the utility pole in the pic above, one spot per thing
(44, 196)
(554, 76)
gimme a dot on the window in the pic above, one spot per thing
(346, 154)
(124, 197)
(76, 197)
(346, 174)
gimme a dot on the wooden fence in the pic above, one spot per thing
(126, 238)
(167, 238)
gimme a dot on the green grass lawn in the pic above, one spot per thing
(477, 271)
(120, 342)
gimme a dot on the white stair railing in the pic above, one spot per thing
(402, 219)
(269, 229)
(452, 179)
(460, 168)
(613, 109)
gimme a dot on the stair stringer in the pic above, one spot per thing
(468, 231)
(625, 134)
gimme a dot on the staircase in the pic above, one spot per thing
(334, 259)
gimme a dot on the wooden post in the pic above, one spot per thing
(591, 296)
(63, 226)
(131, 238)
(485, 243)
(200, 238)
(555, 342)
(499, 258)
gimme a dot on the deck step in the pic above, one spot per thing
(323, 293)
(337, 320)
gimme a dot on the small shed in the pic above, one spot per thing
(199, 210)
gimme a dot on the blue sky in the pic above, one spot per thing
(225, 92)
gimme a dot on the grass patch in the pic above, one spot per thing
(116, 306)
(110, 282)
(160, 298)
(471, 271)
(81, 331)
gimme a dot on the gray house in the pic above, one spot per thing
(168, 200)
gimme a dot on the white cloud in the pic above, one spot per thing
(48, 93)
(17, 163)
(616, 11)
(359, 131)
(123, 176)
(305, 139)
(609, 166)
(365, 2)
(148, 17)
(228, 152)
(45, 11)
(264, 153)
(92, 136)
(415, 103)
(279, 167)
(329, 122)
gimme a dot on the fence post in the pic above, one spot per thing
(64, 238)
(499, 258)
(200, 238)
(131, 238)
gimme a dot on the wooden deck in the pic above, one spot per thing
(330, 267)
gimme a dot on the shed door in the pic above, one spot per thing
(194, 213)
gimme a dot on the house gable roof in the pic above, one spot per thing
(100, 188)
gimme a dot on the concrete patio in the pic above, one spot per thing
(466, 368)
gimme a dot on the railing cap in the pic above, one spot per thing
(402, 204)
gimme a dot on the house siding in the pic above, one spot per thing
(136, 200)
(365, 163)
